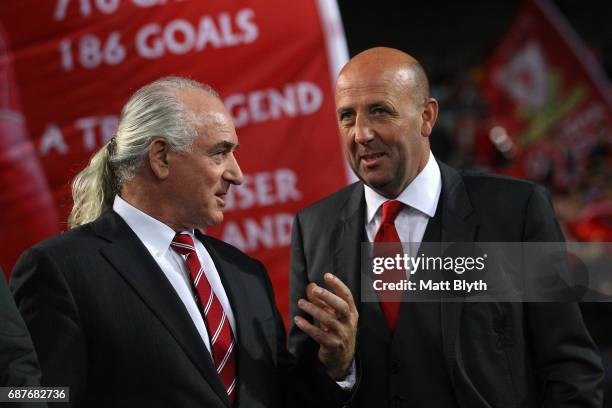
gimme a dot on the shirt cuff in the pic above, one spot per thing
(351, 378)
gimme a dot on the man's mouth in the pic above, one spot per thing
(221, 196)
(371, 159)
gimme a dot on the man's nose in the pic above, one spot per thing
(233, 174)
(364, 132)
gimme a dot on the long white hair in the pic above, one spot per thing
(153, 111)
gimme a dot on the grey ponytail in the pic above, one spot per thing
(93, 189)
(153, 111)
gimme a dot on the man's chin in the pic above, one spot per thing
(384, 187)
(212, 220)
(377, 182)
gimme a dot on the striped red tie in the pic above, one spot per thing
(222, 341)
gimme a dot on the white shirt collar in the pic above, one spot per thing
(421, 194)
(153, 233)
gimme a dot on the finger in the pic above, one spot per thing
(321, 315)
(312, 297)
(318, 335)
(341, 290)
(319, 302)
(318, 313)
(342, 309)
(315, 299)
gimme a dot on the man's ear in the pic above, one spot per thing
(158, 158)
(430, 114)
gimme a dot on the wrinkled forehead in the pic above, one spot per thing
(215, 127)
(375, 83)
(217, 119)
(207, 111)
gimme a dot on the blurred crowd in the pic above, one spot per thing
(580, 184)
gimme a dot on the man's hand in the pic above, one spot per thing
(336, 331)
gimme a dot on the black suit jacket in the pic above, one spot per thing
(18, 361)
(106, 322)
(542, 356)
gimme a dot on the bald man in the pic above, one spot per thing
(435, 354)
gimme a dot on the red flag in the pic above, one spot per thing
(549, 99)
(27, 209)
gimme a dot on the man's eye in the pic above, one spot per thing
(221, 153)
(379, 111)
(344, 116)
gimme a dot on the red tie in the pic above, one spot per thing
(390, 301)
(222, 342)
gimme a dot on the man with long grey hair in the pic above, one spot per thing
(135, 306)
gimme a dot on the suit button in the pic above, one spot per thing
(395, 368)
(396, 401)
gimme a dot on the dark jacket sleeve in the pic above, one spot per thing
(18, 360)
(48, 308)
(567, 366)
(299, 343)
(301, 384)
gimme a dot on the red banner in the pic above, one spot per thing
(549, 99)
(68, 66)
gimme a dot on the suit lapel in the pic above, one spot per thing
(133, 262)
(244, 310)
(459, 224)
(348, 237)
(347, 243)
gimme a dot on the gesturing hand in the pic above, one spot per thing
(336, 330)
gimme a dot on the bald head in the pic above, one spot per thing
(380, 62)
(385, 116)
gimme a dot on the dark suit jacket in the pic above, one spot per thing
(18, 361)
(106, 322)
(541, 356)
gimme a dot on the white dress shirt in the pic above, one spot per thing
(156, 237)
(421, 200)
